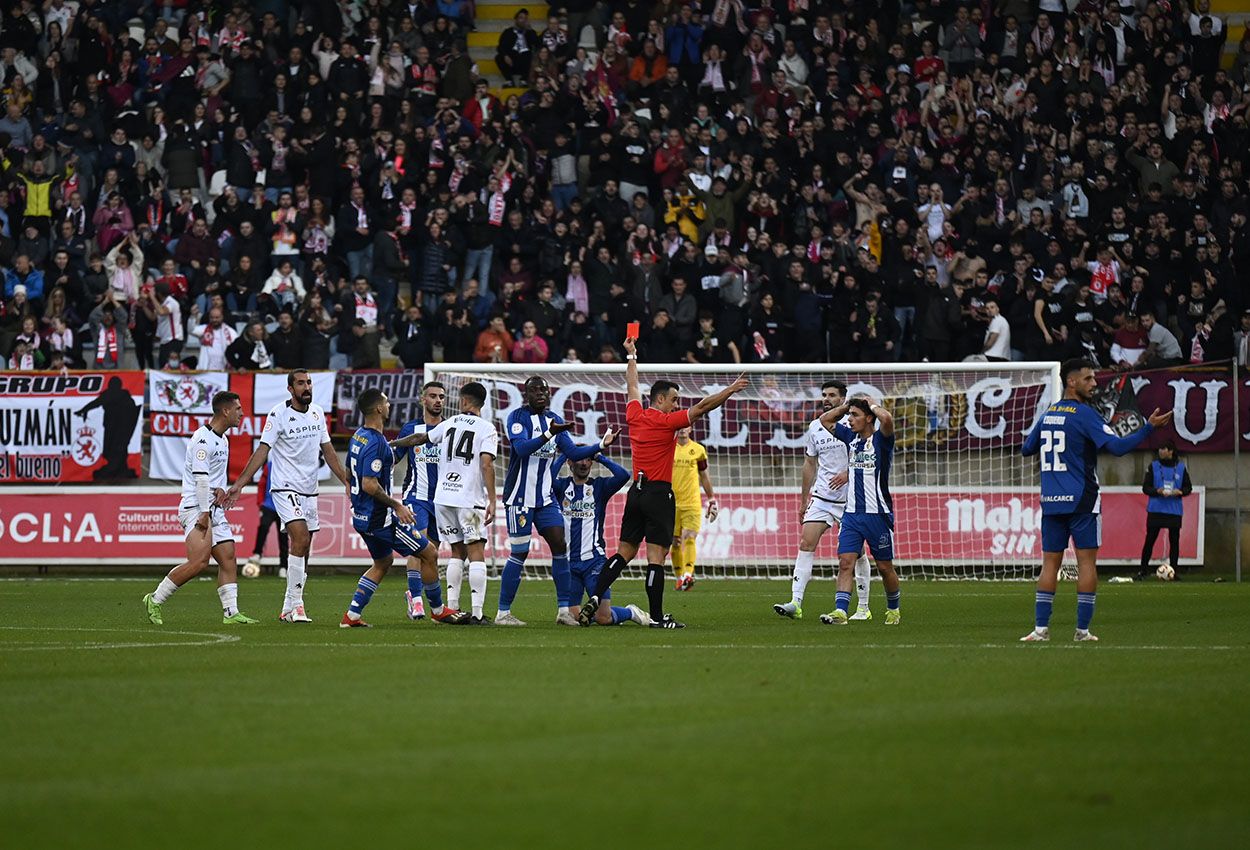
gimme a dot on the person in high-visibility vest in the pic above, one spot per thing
(1166, 483)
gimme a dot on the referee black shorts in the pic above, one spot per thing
(650, 512)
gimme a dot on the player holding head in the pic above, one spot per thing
(1067, 440)
(649, 507)
(420, 483)
(689, 473)
(203, 516)
(464, 502)
(537, 436)
(295, 437)
(585, 502)
(824, 501)
(869, 515)
(384, 523)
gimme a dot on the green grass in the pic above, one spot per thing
(744, 730)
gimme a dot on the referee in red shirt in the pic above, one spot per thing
(649, 507)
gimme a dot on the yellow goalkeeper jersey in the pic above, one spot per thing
(687, 461)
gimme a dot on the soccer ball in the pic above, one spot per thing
(252, 570)
(1165, 572)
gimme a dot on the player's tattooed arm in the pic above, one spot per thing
(419, 438)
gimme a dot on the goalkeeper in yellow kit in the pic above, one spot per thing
(689, 474)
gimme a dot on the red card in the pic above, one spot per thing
(632, 330)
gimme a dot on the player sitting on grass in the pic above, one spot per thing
(1067, 440)
(823, 505)
(202, 516)
(585, 501)
(869, 516)
(383, 522)
(464, 503)
(537, 435)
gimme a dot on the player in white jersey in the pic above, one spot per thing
(203, 516)
(464, 500)
(825, 472)
(294, 439)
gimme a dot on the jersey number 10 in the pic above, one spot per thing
(1053, 445)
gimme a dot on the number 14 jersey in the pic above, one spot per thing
(463, 438)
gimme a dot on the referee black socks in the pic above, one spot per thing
(611, 572)
(655, 591)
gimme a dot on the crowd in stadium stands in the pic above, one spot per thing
(290, 182)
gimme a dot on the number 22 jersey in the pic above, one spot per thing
(1067, 440)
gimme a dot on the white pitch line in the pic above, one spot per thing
(215, 638)
(758, 646)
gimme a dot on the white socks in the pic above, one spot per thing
(164, 590)
(296, 576)
(477, 586)
(863, 580)
(229, 594)
(802, 575)
(455, 575)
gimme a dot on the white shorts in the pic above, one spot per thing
(292, 507)
(216, 523)
(460, 525)
(818, 510)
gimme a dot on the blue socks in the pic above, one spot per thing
(891, 599)
(844, 601)
(1044, 605)
(364, 592)
(562, 578)
(510, 582)
(1084, 609)
(620, 615)
(414, 583)
(433, 594)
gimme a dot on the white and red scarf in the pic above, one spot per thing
(106, 351)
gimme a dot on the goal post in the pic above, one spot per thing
(966, 503)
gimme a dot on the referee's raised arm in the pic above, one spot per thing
(631, 371)
(707, 405)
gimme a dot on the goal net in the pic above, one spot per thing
(966, 503)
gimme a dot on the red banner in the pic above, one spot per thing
(74, 426)
(1201, 401)
(935, 527)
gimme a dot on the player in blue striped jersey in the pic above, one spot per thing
(869, 515)
(420, 482)
(383, 522)
(537, 437)
(1067, 439)
(584, 501)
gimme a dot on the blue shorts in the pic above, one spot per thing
(877, 530)
(584, 577)
(1084, 529)
(522, 521)
(423, 518)
(403, 539)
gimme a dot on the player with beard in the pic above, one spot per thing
(825, 473)
(295, 435)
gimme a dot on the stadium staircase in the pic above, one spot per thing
(492, 19)
(1235, 13)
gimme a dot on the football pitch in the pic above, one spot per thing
(743, 730)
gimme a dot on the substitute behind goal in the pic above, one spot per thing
(965, 500)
